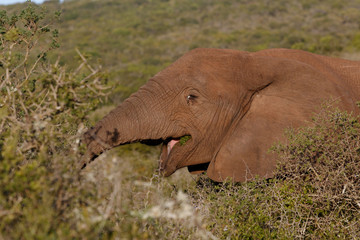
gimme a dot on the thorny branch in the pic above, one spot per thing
(39, 94)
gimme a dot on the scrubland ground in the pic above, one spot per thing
(47, 102)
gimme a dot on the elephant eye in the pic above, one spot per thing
(190, 98)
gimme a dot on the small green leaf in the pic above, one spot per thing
(184, 139)
(12, 35)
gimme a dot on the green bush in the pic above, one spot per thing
(43, 111)
(322, 165)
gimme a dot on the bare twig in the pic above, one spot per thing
(84, 60)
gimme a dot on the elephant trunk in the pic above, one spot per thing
(129, 122)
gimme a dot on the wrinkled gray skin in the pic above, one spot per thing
(233, 104)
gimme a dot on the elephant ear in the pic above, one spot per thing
(293, 94)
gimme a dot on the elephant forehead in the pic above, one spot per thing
(206, 72)
(181, 76)
(216, 72)
(204, 81)
(206, 60)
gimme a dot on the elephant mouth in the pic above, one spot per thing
(171, 145)
(175, 154)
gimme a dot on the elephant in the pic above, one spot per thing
(230, 105)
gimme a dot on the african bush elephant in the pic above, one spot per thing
(233, 104)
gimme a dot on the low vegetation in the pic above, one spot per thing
(45, 106)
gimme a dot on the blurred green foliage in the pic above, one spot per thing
(136, 39)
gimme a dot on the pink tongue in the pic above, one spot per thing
(171, 145)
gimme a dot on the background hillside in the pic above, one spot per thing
(58, 76)
(136, 39)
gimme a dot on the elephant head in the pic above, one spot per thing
(233, 105)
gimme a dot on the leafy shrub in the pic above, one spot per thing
(322, 164)
(43, 111)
